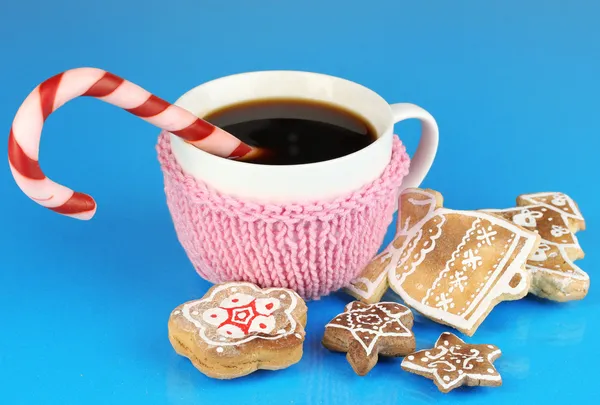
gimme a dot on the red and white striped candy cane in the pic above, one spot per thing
(26, 130)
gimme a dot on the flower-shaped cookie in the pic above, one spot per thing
(365, 331)
(236, 328)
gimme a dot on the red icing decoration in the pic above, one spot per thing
(243, 316)
(233, 316)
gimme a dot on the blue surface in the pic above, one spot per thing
(84, 305)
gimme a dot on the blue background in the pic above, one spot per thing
(84, 305)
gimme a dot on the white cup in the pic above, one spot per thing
(304, 182)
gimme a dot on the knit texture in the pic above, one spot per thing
(313, 248)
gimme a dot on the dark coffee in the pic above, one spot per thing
(294, 131)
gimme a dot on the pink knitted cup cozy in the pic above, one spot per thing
(313, 248)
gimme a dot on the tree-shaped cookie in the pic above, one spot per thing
(556, 218)
(452, 363)
(452, 266)
(366, 331)
(237, 328)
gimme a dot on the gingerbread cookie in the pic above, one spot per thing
(372, 283)
(237, 328)
(556, 218)
(452, 363)
(366, 331)
(455, 266)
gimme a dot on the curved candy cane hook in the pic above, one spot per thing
(26, 130)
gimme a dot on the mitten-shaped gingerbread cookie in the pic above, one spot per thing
(454, 266)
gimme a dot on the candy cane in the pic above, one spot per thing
(26, 130)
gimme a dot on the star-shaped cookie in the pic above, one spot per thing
(556, 218)
(365, 331)
(452, 363)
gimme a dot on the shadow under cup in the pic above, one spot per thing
(311, 227)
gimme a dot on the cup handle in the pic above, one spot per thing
(423, 159)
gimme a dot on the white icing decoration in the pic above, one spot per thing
(262, 324)
(231, 331)
(443, 302)
(470, 260)
(402, 230)
(219, 350)
(559, 200)
(236, 300)
(486, 236)
(213, 316)
(558, 231)
(540, 253)
(527, 218)
(267, 306)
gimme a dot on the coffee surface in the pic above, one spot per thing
(294, 131)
